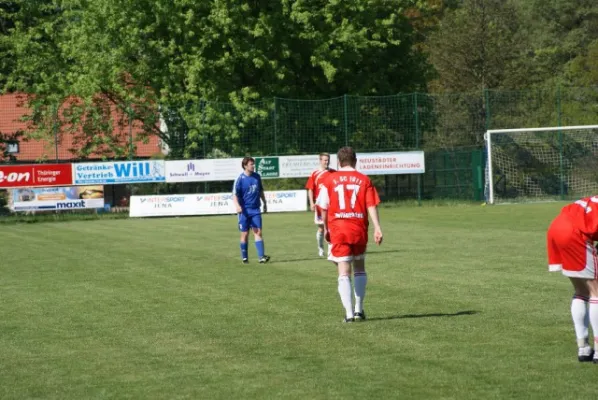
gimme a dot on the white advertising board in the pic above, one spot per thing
(301, 166)
(404, 162)
(210, 204)
(226, 169)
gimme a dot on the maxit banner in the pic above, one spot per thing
(119, 172)
(210, 204)
(58, 198)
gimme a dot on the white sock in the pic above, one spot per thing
(360, 281)
(344, 290)
(320, 239)
(594, 319)
(581, 319)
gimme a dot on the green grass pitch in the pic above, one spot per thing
(459, 301)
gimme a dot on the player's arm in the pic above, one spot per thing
(373, 212)
(236, 194)
(372, 200)
(310, 192)
(263, 196)
(323, 202)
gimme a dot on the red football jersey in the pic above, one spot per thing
(315, 179)
(584, 214)
(347, 194)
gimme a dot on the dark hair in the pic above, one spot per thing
(346, 156)
(246, 161)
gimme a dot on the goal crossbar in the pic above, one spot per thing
(551, 128)
(488, 138)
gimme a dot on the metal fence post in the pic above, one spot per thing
(416, 118)
(55, 131)
(346, 120)
(561, 149)
(275, 127)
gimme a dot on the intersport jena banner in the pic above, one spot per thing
(210, 204)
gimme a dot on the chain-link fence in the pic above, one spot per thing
(448, 127)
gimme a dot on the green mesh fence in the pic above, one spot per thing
(448, 127)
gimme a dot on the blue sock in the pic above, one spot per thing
(243, 250)
(259, 245)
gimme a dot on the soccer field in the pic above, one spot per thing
(459, 303)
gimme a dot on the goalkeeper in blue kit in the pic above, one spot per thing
(247, 194)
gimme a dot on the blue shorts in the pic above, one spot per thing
(250, 219)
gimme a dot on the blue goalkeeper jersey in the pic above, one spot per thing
(247, 188)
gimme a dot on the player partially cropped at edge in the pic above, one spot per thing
(570, 244)
(346, 198)
(247, 193)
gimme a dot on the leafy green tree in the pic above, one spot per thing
(142, 57)
(476, 46)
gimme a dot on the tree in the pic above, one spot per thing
(150, 56)
(476, 46)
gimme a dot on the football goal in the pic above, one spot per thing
(541, 164)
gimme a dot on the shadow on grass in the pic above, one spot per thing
(430, 315)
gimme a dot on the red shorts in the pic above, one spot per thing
(570, 251)
(346, 252)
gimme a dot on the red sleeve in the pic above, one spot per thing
(371, 195)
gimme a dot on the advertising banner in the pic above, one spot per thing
(33, 175)
(267, 167)
(119, 172)
(190, 171)
(408, 162)
(301, 166)
(210, 204)
(227, 169)
(286, 200)
(58, 198)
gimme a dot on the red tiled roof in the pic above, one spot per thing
(13, 108)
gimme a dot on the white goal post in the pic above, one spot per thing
(539, 164)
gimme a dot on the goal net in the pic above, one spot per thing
(539, 164)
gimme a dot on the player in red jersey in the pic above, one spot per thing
(346, 198)
(312, 186)
(570, 244)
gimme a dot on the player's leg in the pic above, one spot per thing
(340, 255)
(559, 233)
(256, 225)
(592, 285)
(320, 232)
(244, 229)
(581, 318)
(577, 256)
(320, 240)
(360, 280)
